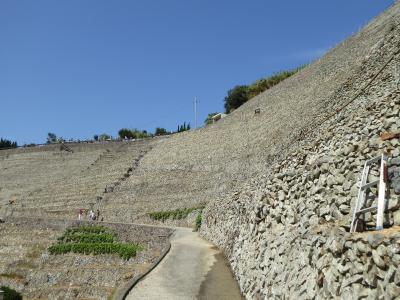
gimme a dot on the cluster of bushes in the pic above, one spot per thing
(93, 240)
(97, 229)
(199, 219)
(132, 133)
(87, 238)
(10, 294)
(161, 131)
(125, 251)
(5, 144)
(184, 127)
(176, 214)
(242, 93)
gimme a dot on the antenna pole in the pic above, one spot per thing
(195, 112)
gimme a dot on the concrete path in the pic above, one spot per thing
(193, 269)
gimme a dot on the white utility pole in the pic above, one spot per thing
(195, 112)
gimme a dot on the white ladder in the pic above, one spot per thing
(357, 223)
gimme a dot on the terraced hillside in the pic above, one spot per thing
(278, 185)
(193, 168)
(56, 183)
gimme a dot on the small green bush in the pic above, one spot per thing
(10, 294)
(177, 214)
(87, 238)
(86, 229)
(125, 251)
(93, 240)
(198, 221)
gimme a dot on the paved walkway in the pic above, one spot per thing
(193, 269)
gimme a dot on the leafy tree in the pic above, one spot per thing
(236, 97)
(51, 138)
(242, 93)
(4, 144)
(29, 145)
(209, 118)
(161, 131)
(126, 133)
(104, 137)
(96, 137)
(132, 133)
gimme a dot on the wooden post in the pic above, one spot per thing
(382, 192)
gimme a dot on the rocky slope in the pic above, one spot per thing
(285, 232)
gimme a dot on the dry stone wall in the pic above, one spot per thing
(286, 232)
(195, 167)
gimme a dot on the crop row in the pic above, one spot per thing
(124, 250)
(87, 238)
(176, 214)
(86, 229)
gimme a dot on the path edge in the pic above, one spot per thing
(124, 291)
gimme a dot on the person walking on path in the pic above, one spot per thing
(80, 214)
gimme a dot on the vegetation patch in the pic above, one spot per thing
(199, 219)
(10, 294)
(93, 240)
(242, 93)
(177, 214)
(12, 276)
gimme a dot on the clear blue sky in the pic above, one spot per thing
(81, 67)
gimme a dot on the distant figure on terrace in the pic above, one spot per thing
(98, 215)
(92, 215)
(80, 214)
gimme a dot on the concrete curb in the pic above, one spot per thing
(124, 291)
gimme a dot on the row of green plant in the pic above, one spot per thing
(240, 94)
(198, 221)
(86, 229)
(124, 250)
(87, 238)
(10, 294)
(93, 240)
(176, 214)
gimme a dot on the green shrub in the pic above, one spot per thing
(132, 133)
(5, 144)
(86, 229)
(184, 127)
(125, 251)
(87, 238)
(161, 131)
(197, 224)
(93, 240)
(177, 214)
(240, 94)
(10, 294)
